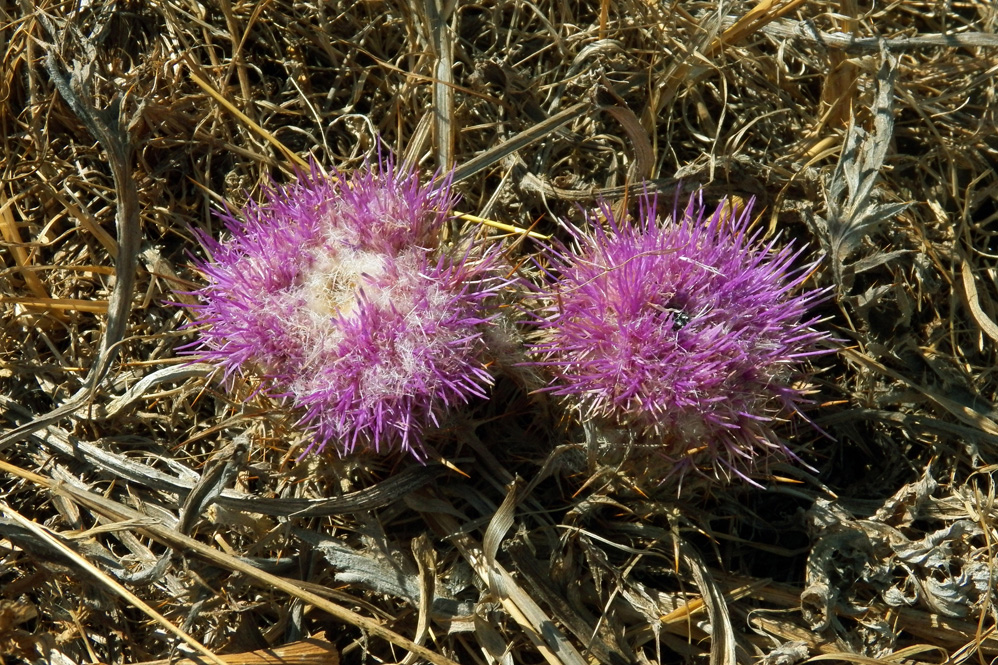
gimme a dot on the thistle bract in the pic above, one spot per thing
(336, 290)
(687, 331)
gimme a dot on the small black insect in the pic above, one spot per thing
(679, 317)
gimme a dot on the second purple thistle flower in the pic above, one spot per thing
(689, 332)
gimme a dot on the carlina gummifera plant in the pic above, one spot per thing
(338, 292)
(687, 332)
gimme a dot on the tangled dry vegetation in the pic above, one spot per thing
(149, 515)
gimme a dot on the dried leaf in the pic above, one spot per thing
(853, 211)
(382, 572)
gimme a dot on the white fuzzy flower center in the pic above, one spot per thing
(331, 284)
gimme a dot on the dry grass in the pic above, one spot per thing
(147, 515)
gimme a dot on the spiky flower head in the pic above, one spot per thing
(337, 291)
(689, 332)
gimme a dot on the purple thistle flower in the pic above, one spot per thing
(689, 332)
(335, 290)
